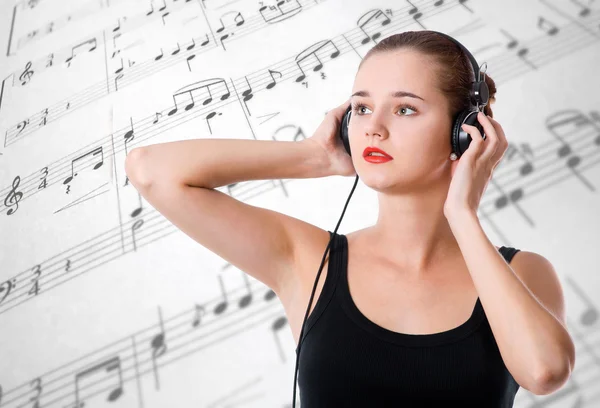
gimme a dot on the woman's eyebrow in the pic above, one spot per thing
(397, 94)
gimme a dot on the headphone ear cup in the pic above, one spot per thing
(460, 139)
(343, 133)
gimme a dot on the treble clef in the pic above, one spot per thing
(13, 196)
(27, 74)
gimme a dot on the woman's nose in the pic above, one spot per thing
(375, 125)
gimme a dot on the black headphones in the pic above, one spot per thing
(459, 140)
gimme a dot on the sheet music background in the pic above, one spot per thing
(104, 302)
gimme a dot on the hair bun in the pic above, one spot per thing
(492, 96)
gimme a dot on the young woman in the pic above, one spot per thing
(418, 308)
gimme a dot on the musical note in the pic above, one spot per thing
(527, 167)
(247, 298)
(188, 59)
(564, 121)
(119, 76)
(192, 45)
(547, 26)
(155, 121)
(513, 41)
(112, 364)
(239, 20)
(177, 50)
(118, 27)
(278, 14)
(368, 17)
(209, 117)
(159, 56)
(26, 74)
(159, 347)
(312, 51)
(94, 152)
(50, 60)
(129, 135)
(13, 197)
(136, 226)
(92, 47)
(140, 208)
(247, 94)
(199, 312)
(163, 17)
(119, 70)
(221, 306)
(201, 85)
(151, 9)
(414, 11)
(273, 82)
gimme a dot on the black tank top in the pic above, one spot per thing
(349, 361)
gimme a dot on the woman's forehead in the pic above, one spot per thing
(406, 71)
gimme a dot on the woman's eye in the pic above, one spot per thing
(407, 107)
(358, 109)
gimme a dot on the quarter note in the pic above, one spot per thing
(247, 298)
(159, 347)
(136, 226)
(221, 306)
(129, 135)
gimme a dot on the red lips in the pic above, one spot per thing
(370, 149)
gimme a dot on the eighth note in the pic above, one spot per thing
(94, 152)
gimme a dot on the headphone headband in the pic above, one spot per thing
(479, 92)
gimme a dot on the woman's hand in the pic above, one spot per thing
(473, 170)
(327, 138)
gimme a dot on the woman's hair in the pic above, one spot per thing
(454, 69)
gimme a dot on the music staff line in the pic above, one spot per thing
(142, 70)
(181, 335)
(263, 77)
(515, 64)
(150, 122)
(86, 10)
(294, 65)
(90, 254)
(154, 215)
(253, 24)
(134, 21)
(571, 152)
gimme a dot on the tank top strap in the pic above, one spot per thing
(508, 252)
(336, 257)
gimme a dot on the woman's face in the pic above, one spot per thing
(415, 131)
